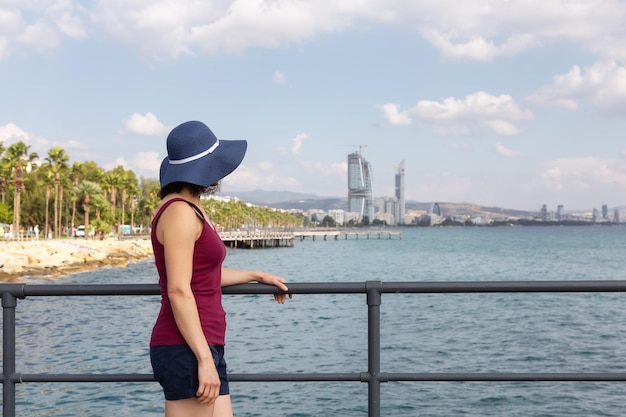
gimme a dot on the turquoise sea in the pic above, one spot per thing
(328, 333)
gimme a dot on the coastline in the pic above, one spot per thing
(57, 257)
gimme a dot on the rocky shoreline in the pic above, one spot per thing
(53, 258)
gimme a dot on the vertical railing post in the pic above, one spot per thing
(9, 301)
(373, 289)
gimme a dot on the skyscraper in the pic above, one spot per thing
(401, 210)
(360, 186)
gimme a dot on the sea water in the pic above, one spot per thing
(505, 332)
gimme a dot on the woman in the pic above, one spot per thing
(187, 343)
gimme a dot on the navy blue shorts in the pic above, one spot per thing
(176, 369)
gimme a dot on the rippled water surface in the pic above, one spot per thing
(328, 333)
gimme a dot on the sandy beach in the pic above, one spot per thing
(53, 258)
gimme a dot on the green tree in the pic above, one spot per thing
(58, 161)
(6, 215)
(328, 221)
(78, 172)
(18, 158)
(88, 192)
(148, 200)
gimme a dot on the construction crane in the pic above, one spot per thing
(360, 147)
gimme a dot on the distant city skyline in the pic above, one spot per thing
(508, 104)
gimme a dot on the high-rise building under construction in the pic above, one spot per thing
(360, 186)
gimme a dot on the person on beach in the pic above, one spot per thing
(187, 342)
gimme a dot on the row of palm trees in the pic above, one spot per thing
(82, 193)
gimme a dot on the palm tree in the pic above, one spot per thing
(77, 172)
(130, 189)
(112, 183)
(48, 181)
(18, 158)
(58, 160)
(149, 200)
(92, 172)
(88, 190)
(3, 180)
(18, 153)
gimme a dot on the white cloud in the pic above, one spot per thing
(169, 29)
(602, 84)
(584, 174)
(289, 171)
(462, 116)
(477, 47)
(471, 29)
(502, 150)
(4, 48)
(261, 176)
(393, 115)
(120, 160)
(502, 127)
(39, 25)
(279, 78)
(67, 20)
(12, 133)
(482, 30)
(146, 125)
(297, 143)
(265, 165)
(148, 163)
(40, 35)
(74, 144)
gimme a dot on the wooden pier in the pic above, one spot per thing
(251, 239)
(345, 234)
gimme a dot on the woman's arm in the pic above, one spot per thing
(177, 229)
(241, 276)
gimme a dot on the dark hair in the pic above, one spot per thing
(196, 190)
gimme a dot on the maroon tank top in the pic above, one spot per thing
(206, 279)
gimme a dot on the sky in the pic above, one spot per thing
(503, 103)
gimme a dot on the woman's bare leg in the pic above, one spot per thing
(191, 407)
(223, 407)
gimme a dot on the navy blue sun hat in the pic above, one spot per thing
(196, 156)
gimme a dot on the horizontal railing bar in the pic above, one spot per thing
(84, 378)
(350, 377)
(504, 286)
(300, 288)
(297, 377)
(277, 377)
(24, 290)
(505, 377)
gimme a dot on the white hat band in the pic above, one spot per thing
(196, 156)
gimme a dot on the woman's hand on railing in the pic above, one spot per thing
(271, 279)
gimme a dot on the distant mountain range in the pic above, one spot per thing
(288, 200)
(263, 197)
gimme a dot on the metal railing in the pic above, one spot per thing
(374, 376)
